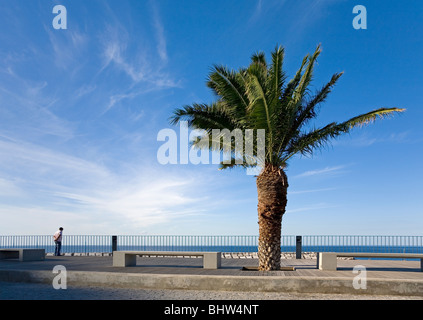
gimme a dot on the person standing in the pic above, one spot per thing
(58, 241)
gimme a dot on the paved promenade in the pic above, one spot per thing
(93, 277)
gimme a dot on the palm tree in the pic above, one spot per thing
(259, 97)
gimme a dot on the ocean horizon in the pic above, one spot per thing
(223, 248)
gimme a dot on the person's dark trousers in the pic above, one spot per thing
(58, 247)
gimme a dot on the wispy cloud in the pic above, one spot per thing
(9, 188)
(159, 30)
(141, 204)
(67, 48)
(43, 180)
(116, 98)
(145, 71)
(84, 90)
(325, 171)
(257, 11)
(311, 191)
(21, 157)
(307, 14)
(262, 8)
(114, 52)
(26, 109)
(133, 57)
(366, 140)
(313, 207)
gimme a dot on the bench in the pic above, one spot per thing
(23, 254)
(328, 261)
(211, 260)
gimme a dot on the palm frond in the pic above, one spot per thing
(368, 118)
(258, 97)
(308, 111)
(229, 86)
(277, 76)
(259, 58)
(203, 116)
(244, 162)
(276, 80)
(307, 143)
(286, 113)
(305, 80)
(293, 83)
(259, 111)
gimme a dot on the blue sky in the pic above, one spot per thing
(80, 110)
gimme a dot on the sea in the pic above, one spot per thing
(231, 249)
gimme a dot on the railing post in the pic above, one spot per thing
(298, 247)
(114, 243)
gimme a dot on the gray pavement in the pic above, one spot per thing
(41, 291)
(166, 278)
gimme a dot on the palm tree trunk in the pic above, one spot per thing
(272, 186)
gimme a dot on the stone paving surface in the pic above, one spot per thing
(407, 270)
(35, 291)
